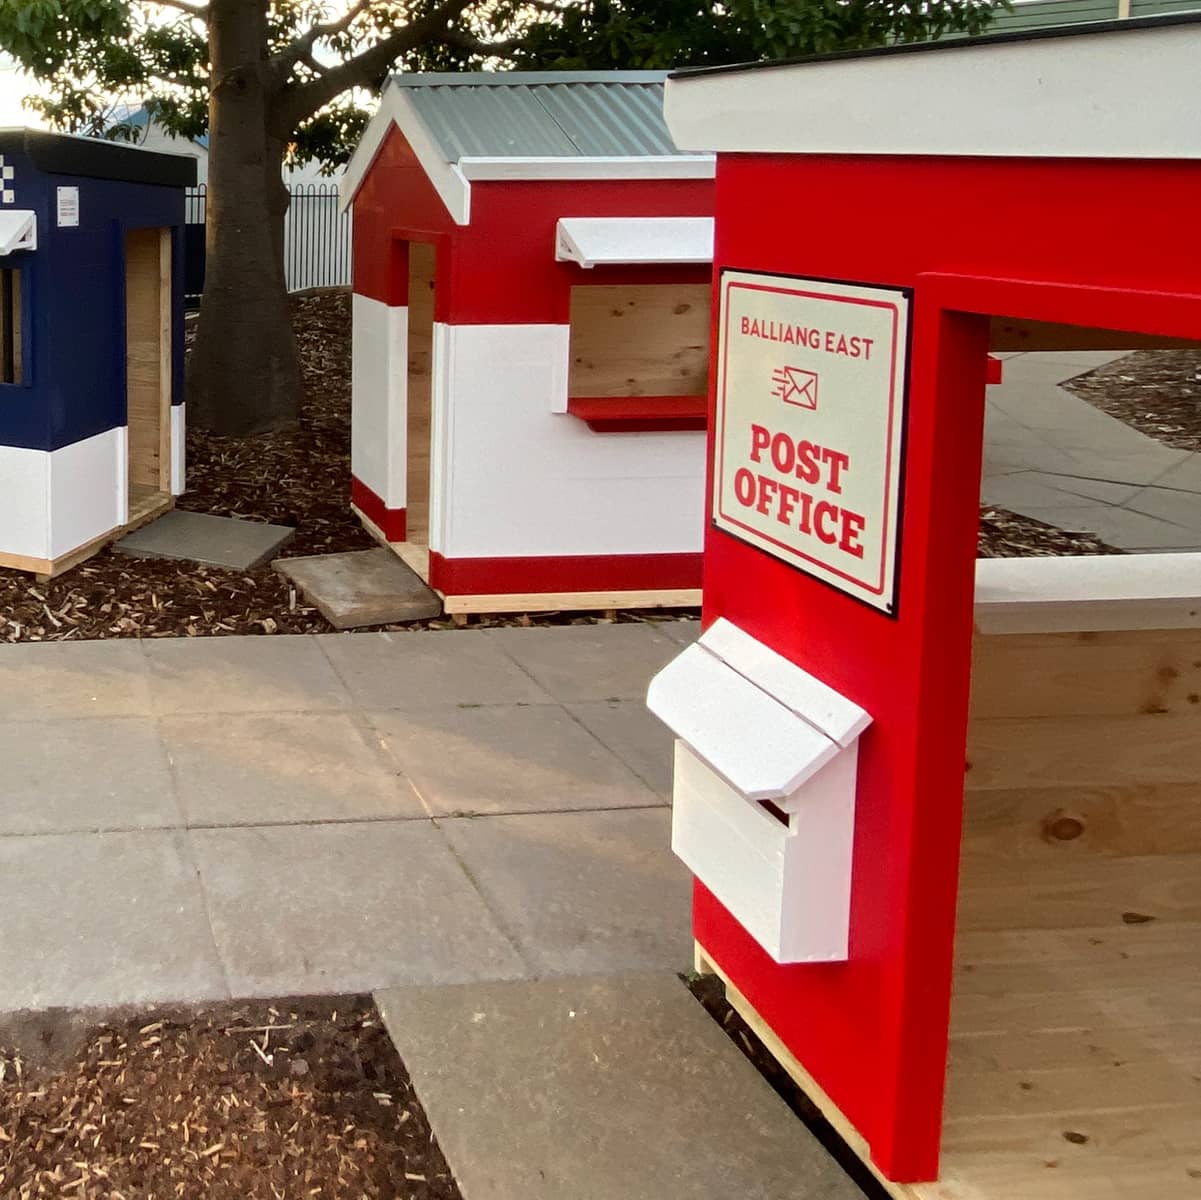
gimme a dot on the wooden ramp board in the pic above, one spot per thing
(362, 587)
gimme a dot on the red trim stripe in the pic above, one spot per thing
(994, 370)
(567, 573)
(391, 522)
(640, 414)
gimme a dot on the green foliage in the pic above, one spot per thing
(95, 55)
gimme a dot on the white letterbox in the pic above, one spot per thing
(764, 796)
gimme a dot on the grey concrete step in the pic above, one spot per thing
(599, 1089)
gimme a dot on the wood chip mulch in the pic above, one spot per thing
(297, 1100)
(299, 478)
(1157, 392)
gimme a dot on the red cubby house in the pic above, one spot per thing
(532, 257)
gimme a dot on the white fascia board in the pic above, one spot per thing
(18, 230)
(1087, 594)
(1133, 94)
(395, 108)
(661, 166)
(598, 241)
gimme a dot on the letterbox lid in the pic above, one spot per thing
(840, 719)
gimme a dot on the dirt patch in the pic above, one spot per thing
(259, 1101)
(1157, 392)
(1005, 534)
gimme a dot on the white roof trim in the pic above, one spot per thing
(395, 108)
(596, 241)
(18, 230)
(452, 181)
(1088, 594)
(1117, 94)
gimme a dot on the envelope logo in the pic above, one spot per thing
(794, 385)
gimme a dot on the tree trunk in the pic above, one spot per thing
(243, 371)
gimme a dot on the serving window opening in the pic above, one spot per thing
(639, 357)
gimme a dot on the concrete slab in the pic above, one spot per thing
(589, 662)
(1168, 504)
(308, 909)
(684, 631)
(204, 538)
(363, 587)
(635, 735)
(1118, 527)
(242, 674)
(617, 1089)
(507, 758)
(285, 769)
(1184, 475)
(101, 919)
(583, 892)
(83, 775)
(73, 679)
(418, 670)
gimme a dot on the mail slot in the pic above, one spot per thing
(764, 796)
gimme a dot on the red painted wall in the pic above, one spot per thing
(873, 1030)
(395, 201)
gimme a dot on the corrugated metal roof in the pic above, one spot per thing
(543, 114)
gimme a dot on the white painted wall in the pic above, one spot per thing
(88, 492)
(378, 390)
(521, 477)
(24, 502)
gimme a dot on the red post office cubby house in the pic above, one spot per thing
(988, 979)
(532, 257)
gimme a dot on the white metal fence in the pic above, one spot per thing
(316, 238)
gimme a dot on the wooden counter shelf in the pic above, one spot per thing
(1075, 1060)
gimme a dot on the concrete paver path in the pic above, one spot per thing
(193, 819)
(1051, 455)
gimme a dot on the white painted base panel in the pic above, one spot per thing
(513, 475)
(54, 501)
(179, 450)
(788, 885)
(379, 398)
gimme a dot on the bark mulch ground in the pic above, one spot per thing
(299, 478)
(296, 1100)
(1157, 392)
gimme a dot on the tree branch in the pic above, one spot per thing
(193, 10)
(299, 102)
(301, 48)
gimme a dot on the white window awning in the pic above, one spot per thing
(601, 241)
(18, 230)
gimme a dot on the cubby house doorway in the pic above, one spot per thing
(148, 370)
(415, 549)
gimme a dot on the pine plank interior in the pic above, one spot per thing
(640, 340)
(1075, 1066)
(147, 356)
(421, 344)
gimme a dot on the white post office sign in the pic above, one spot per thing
(811, 380)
